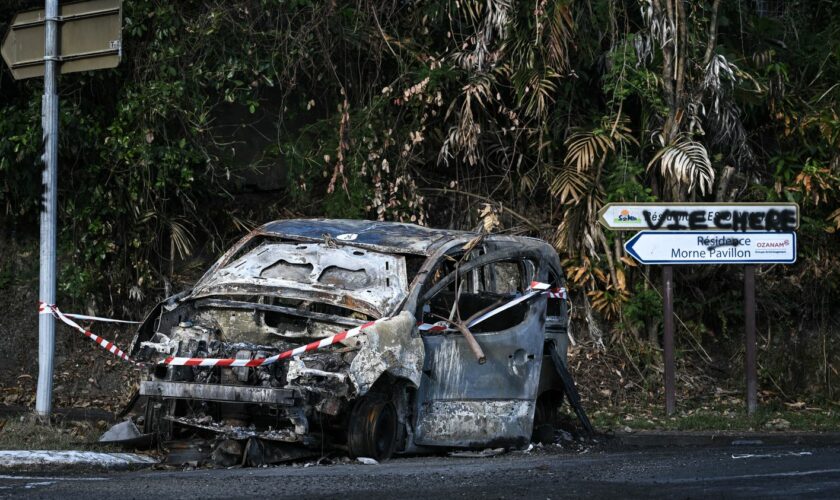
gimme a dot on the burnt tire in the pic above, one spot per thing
(372, 430)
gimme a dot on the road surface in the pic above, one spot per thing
(734, 471)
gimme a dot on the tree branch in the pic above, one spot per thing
(712, 43)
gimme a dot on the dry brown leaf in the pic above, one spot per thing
(628, 261)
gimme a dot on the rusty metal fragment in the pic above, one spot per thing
(388, 347)
(216, 392)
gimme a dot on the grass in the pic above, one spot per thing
(24, 432)
(720, 418)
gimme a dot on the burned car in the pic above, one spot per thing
(371, 337)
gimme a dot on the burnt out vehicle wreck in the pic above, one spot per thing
(450, 346)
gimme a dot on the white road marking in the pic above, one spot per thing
(785, 474)
(29, 486)
(753, 476)
(773, 455)
(54, 478)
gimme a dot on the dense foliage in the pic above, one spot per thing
(225, 114)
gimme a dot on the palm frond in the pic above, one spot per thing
(536, 89)
(685, 161)
(834, 218)
(569, 185)
(182, 237)
(584, 147)
(561, 32)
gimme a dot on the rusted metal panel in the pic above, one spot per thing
(238, 432)
(476, 423)
(216, 392)
(514, 357)
(514, 360)
(251, 306)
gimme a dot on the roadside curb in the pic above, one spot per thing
(15, 460)
(664, 439)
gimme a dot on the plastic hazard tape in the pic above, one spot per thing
(267, 361)
(536, 285)
(440, 326)
(536, 289)
(84, 317)
(105, 344)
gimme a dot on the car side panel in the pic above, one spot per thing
(465, 403)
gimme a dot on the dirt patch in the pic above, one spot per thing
(24, 432)
(84, 376)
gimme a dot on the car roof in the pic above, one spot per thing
(394, 237)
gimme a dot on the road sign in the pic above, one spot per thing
(779, 217)
(696, 247)
(90, 35)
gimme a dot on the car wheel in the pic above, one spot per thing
(372, 430)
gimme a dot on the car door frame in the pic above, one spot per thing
(447, 417)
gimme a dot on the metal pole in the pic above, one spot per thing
(749, 324)
(49, 179)
(668, 323)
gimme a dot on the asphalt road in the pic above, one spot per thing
(735, 471)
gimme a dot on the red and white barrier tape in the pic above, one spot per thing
(266, 361)
(83, 317)
(105, 344)
(536, 289)
(440, 326)
(541, 287)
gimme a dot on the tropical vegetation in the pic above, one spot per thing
(226, 114)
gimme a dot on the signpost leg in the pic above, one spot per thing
(749, 324)
(668, 323)
(49, 124)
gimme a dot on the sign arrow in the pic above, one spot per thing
(696, 247)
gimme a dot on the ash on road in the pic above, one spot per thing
(735, 471)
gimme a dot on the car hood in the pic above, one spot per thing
(366, 281)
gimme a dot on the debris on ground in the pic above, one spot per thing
(126, 433)
(778, 424)
(487, 452)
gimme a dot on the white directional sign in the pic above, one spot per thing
(695, 247)
(777, 217)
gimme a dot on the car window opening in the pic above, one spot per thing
(481, 289)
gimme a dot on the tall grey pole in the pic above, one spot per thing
(668, 341)
(749, 339)
(49, 209)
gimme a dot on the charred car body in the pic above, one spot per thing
(397, 387)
